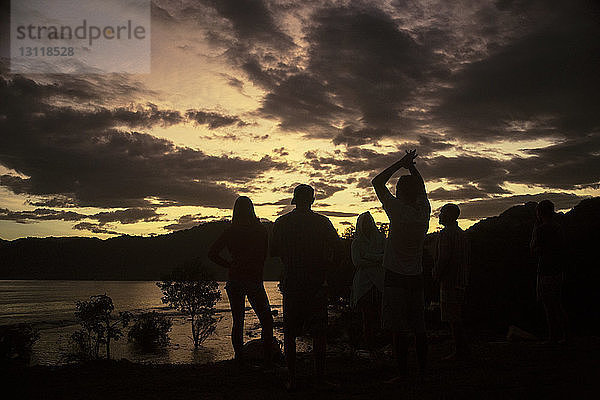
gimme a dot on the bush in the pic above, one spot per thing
(191, 292)
(16, 342)
(98, 327)
(150, 331)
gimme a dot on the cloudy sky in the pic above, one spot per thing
(500, 99)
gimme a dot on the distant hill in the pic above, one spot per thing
(118, 258)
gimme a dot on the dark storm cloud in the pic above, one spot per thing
(188, 221)
(568, 165)
(478, 209)
(336, 213)
(571, 164)
(39, 214)
(545, 83)
(252, 20)
(465, 192)
(360, 67)
(214, 120)
(94, 228)
(76, 153)
(301, 101)
(127, 216)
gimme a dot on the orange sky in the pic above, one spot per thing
(256, 100)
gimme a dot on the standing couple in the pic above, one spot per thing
(306, 242)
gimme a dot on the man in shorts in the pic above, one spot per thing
(306, 242)
(403, 292)
(451, 270)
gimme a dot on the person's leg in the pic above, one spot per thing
(318, 324)
(563, 323)
(319, 350)
(237, 304)
(289, 340)
(421, 345)
(562, 314)
(289, 345)
(400, 351)
(417, 310)
(260, 303)
(368, 315)
(549, 320)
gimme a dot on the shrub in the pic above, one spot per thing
(98, 327)
(150, 331)
(16, 342)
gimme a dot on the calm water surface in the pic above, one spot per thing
(50, 306)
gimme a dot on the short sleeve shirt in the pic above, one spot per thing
(305, 241)
(409, 223)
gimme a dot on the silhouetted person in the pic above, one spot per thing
(403, 293)
(306, 243)
(247, 242)
(367, 285)
(451, 270)
(548, 244)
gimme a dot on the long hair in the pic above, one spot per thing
(365, 226)
(243, 212)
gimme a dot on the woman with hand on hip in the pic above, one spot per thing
(247, 242)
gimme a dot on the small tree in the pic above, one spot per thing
(150, 331)
(16, 342)
(191, 292)
(98, 325)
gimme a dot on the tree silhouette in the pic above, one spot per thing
(98, 324)
(190, 291)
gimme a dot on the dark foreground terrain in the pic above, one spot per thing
(499, 370)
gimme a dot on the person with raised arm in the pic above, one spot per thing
(403, 292)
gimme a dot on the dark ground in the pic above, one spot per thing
(499, 370)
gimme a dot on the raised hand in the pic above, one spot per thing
(408, 160)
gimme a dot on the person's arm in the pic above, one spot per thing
(214, 252)
(442, 257)
(276, 240)
(379, 182)
(414, 172)
(534, 245)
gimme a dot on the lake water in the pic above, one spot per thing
(50, 306)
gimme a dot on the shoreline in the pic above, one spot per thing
(497, 370)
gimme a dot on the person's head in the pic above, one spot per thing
(407, 188)
(243, 212)
(449, 214)
(545, 210)
(304, 196)
(365, 225)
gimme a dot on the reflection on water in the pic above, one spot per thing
(50, 306)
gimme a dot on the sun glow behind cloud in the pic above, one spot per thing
(255, 102)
